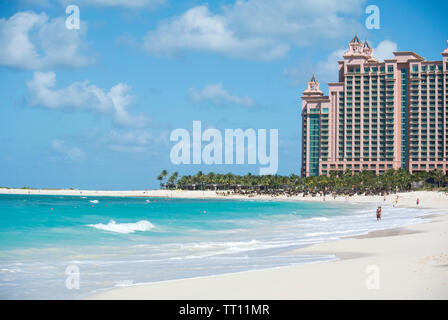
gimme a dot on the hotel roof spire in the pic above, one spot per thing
(355, 39)
(360, 50)
(313, 88)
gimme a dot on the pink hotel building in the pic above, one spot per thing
(378, 116)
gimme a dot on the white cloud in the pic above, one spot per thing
(217, 94)
(198, 29)
(300, 21)
(133, 4)
(83, 96)
(74, 154)
(133, 140)
(385, 50)
(33, 41)
(329, 67)
(255, 29)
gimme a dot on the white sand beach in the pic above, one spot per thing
(428, 199)
(404, 263)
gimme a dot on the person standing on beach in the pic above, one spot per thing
(396, 202)
(418, 201)
(378, 213)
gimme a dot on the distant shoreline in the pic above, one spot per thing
(432, 199)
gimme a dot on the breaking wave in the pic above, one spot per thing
(143, 225)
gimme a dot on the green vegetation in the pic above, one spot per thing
(162, 176)
(342, 183)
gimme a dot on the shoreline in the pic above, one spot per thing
(412, 262)
(403, 273)
(436, 199)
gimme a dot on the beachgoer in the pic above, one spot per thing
(418, 201)
(396, 202)
(378, 213)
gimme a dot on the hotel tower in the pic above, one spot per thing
(378, 116)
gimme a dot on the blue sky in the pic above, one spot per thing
(94, 107)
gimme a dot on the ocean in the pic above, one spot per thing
(105, 242)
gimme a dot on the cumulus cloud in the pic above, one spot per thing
(254, 29)
(217, 94)
(135, 141)
(329, 67)
(83, 96)
(33, 41)
(198, 29)
(300, 21)
(71, 153)
(385, 50)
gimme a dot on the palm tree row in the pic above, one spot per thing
(347, 182)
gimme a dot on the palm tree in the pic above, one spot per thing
(173, 179)
(438, 176)
(161, 177)
(347, 182)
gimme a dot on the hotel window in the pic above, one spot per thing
(424, 68)
(390, 68)
(415, 68)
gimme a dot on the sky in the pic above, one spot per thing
(94, 107)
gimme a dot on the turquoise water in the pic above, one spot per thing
(115, 241)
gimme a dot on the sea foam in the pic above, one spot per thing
(320, 219)
(143, 225)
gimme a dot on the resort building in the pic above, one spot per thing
(378, 116)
